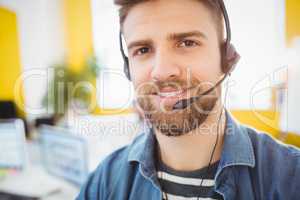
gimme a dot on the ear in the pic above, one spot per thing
(231, 58)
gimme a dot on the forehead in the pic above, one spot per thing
(161, 17)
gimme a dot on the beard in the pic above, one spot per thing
(172, 122)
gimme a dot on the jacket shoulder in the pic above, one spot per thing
(266, 144)
(276, 165)
(109, 174)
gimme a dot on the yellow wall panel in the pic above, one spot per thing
(10, 67)
(292, 20)
(266, 121)
(292, 31)
(263, 120)
(78, 31)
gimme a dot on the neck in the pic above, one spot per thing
(193, 150)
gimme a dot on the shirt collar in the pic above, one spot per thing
(237, 149)
(143, 151)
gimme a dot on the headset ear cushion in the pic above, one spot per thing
(231, 58)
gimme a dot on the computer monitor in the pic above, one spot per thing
(13, 153)
(8, 110)
(64, 154)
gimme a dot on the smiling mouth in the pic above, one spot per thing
(172, 94)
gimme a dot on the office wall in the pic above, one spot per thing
(259, 36)
(288, 121)
(50, 32)
(41, 42)
(79, 29)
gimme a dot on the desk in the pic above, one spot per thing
(103, 134)
(36, 181)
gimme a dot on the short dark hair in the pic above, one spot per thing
(212, 5)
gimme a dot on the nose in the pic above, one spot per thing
(165, 66)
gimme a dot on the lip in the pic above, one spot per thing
(171, 94)
(169, 90)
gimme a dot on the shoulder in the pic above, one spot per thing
(276, 164)
(110, 171)
(266, 145)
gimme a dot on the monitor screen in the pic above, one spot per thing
(12, 144)
(64, 154)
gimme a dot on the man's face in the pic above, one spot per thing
(174, 54)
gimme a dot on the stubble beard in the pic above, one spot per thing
(175, 123)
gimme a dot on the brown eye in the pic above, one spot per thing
(142, 51)
(188, 43)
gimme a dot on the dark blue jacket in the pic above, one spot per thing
(252, 166)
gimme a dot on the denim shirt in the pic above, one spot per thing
(252, 166)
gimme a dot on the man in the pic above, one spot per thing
(193, 149)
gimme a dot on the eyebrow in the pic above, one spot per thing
(139, 43)
(180, 36)
(172, 36)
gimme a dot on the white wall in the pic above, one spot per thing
(258, 32)
(41, 38)
(115, 90)
(290, 106)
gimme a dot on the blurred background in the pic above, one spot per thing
(65, 103)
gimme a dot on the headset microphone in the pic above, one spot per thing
(182, 104)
